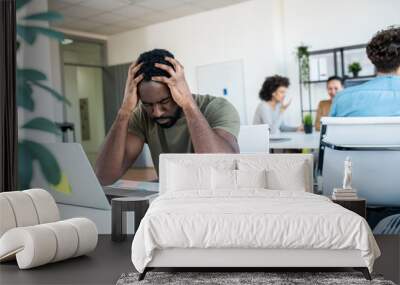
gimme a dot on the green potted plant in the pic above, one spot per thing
(355, 68)
(303, 56)
(308, 126)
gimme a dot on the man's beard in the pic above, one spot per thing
(172, 119)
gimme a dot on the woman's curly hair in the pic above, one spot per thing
(384, 50)
(271, 84)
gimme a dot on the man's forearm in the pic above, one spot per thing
(204, 139)
(109, 164)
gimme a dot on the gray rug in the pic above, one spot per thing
(230, 278)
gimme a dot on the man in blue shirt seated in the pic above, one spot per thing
(381, 95)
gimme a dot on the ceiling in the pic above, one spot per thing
(107, 17)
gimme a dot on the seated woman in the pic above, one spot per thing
(271, 109)
(333, 86)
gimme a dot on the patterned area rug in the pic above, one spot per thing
(230, 278)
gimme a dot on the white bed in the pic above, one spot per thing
(221, 211)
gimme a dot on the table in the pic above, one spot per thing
(119, 207)
(358, 206)
(297, 140)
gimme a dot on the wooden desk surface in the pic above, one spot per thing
(140, 174)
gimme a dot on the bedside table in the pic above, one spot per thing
(357, 206)
(119, 207)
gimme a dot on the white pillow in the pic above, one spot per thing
(280, 180)
(194, 174)
(251, 178)
(188, 177)
(223, 179)
(282, 173)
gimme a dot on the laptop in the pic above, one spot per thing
(79, 185)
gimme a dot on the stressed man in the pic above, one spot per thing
(159, 109)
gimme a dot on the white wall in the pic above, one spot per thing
(264, 33)
(247, 31)
(323, 24)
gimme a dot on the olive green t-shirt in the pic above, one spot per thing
(219, 113)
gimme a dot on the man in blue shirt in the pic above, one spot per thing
(381, 95)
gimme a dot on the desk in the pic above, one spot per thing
(298, 140)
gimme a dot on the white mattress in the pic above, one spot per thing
(253, 218)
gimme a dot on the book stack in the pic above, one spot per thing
(344, 194)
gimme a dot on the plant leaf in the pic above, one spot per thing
(45, 16)
(20, 3)
(25, 167)
(24, 96)
(26, 34)
(42, 124)
(30, 74)
(53, 92)
(47, 161)
(29, 33)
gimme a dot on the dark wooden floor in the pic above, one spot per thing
(111, 259)
(103, 266)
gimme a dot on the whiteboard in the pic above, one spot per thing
(224, 79)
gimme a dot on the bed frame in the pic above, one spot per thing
(260, 259)
(248, 259)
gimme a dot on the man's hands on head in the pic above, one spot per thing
(131, 99)
(176, 83)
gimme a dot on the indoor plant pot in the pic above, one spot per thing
(308, 127)
(355, 68)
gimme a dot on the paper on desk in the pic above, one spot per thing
(135, 185)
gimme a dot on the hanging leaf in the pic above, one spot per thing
(47, 161)
(29, 33)
(49, 32)
(26, 34)
(24, 96)
(25, 166)
(45, 16)
(53, 92)
(42, 124)
(20, 3)
(30, 74)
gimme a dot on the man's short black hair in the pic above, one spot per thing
(384, 50)
(149, 58)
(334, 77)
(271, 84)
